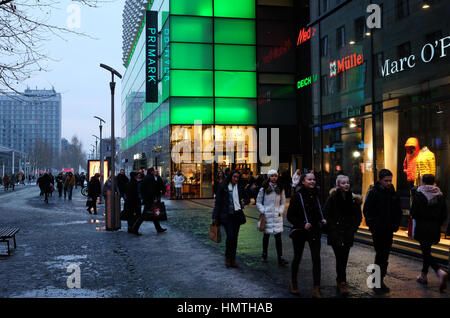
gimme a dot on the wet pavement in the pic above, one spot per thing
(181, 262)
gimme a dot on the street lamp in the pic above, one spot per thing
(115, 219)
(96, 142)
(93, 149)
(101, 156)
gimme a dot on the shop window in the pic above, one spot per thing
(402, 8)
(324, 46)
(225, 57)
(432, 38)
(360, 29)
(340, 37)
(234, 31)
(324, 85)
(235, 84)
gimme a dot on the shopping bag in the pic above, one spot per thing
(261, 225)
(214, 233)
(157, 212)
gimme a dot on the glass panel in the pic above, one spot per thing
(225, 57)
(191, 7)
(235, 84)
(235, 8)
(191, 83)
(233, 111)
(187, 110)
(191, 56)
(234, 31)
(190, 29)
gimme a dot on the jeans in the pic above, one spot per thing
(314, 246)
(232, 231)
(382, 241)
(341, 253)
(178, 192)
(428, 260)
(69, 189)
(278, 244)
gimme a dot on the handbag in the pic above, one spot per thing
(240, 217)
(157, 212)
(261, 224)
(323, 227)
(214, 233)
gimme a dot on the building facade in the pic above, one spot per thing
(206, 76)
(379, 95)
(31, 118)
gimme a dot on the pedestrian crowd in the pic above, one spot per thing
(339, 218)
(65, 182)
(11, 181)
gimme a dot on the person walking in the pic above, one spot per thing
(45, 185)
(6, 182)
(343, 214)
(305, 215)
(178, 182)
(59, 183)
(383, 214)
(296, 180)
(429, 210)
(133, 203)
(151, 190)
(228, 211)
(271, 202)
(217, 181)
(68, 184)
(122, 181)
(94, 191)
(13, 181)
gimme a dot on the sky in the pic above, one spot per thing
(76, 73)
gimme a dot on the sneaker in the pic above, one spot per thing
(282, 262)
(161, 230)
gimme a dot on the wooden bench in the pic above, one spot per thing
(7, 233)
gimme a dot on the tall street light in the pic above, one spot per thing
(101, 157)
(96, 143)
(114, 219)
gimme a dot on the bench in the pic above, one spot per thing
(7, 233)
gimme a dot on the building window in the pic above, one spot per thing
(402, 8)
(379, 60)
(324, 46)
(360, 29)
(340, 37)
(324, 85)
(325, 5)
(404, 50)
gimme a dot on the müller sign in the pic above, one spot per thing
(391, 67)
(345, 64)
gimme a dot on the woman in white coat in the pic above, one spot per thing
(178, 181)
(270, 202)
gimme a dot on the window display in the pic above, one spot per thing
(426, 163)
(409, 164)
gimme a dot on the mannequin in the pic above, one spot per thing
(409, 164)
(425, 163)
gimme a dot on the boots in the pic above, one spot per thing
(227, 262)
(443, 276)
(316, 292)
(343, 289)
(282, 262)
(234, 264)
(293, 288)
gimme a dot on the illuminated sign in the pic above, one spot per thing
(277, 52)
(151, 65)
(329, 149)
(427, 55)
(307, 81)
(94, 167)
(305, 35)
(345, 64)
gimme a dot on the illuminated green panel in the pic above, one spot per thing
(235, 84)
(234, 31)
(190, 29)
(232, 111)
(189, 7)
(234, 57)
(187, 110)
(191, 56)
(191, 83)
(234, 8)
(165, 87)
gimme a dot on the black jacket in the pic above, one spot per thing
(220, 212)
(151, 188)
(122, 181)
(382, 209)
(44, 183)
(94, 188)
(296, 215)
(132, 200)
(343, 214)
(429, 216)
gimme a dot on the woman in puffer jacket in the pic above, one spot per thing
(343, 214)
(270, 202)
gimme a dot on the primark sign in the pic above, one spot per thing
(428, 53)
(151, 59)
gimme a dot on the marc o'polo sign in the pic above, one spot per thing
(151, 61)
(429, 51)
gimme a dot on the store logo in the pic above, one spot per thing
(151, 57)
(305, 35)
(307, 81)
(275, 53)
(427, 55)
(374, 20)
(345, 64)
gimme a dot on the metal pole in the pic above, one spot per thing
(101, 164)
(113, 149)
(12, 169)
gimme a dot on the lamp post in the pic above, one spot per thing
(96, 143)
(115, 219)
(101, 157)
(93, 149)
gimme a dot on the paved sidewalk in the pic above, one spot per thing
(181, 262)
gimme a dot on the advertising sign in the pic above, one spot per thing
(151, 60)
(94, 167)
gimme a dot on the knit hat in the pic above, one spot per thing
(272, 172)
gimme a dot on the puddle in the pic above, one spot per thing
(66, 223)
(53, 292)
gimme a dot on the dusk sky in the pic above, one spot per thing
(76, 73)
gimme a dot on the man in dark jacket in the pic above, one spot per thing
(44, 184)
(122, 181)
(94, 191)
(152, 189)
(133, 204)
(383, 215)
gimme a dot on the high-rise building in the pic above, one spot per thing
(30, 119)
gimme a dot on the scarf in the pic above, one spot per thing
(430, 192)
(237, 204)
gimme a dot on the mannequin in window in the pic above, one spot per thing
(409, 164)
(425, 163)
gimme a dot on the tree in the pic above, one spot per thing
(72, 156)
(22, 38)
(42, 155)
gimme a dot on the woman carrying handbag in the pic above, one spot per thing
(305, 214)
(270, 203)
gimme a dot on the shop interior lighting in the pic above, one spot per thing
(356, 154)
(426, 4)
(352, 42)
(439, 110)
